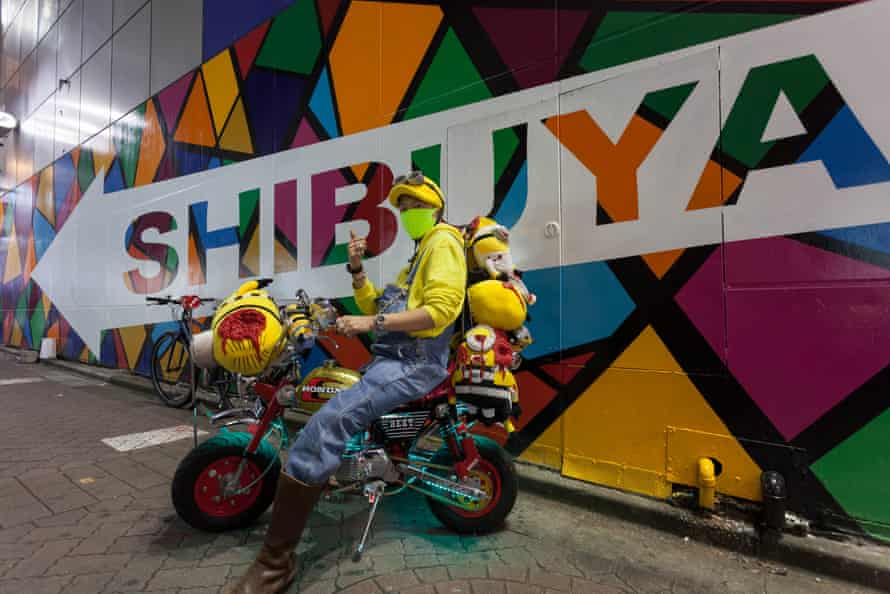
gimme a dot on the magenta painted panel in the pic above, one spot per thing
(286, 210)
(702, 300)
(526, 39)
(798, 352)
(325, 212)
(305, 135)
(172, 99)
(782, 261)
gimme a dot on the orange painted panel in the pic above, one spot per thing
(661, 262)
(195, 126)
(614, 165)
(377, 53)
(714, 187)
(152, 148)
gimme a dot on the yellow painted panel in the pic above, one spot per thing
(547, 449)
(30, 258)
(45, 195)
(17, 335)
(622, 420)
(740, 476)
(13, 259)
(133, 337)
(615, 474)
(237, 134)
(284, 262)
(222, 87)
(103, 152)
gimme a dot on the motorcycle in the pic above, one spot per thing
(229, 481)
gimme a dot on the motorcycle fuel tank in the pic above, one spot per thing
(323, 383)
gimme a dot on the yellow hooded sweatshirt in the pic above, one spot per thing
(440, 282)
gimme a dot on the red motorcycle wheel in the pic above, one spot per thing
(498, 474)
(208, 488)
(490, 482)
(196, 483)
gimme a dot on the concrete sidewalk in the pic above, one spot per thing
(76, 516)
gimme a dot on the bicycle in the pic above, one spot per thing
(171, 368)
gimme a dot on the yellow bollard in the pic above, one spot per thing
(707, 483)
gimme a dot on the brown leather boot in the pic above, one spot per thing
(275, 567)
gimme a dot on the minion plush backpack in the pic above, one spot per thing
(495, 334)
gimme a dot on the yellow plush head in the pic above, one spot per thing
(497, 304)
(489, 247)
(247, 332)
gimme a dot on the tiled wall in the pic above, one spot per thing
(71, 67)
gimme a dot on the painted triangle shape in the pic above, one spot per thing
(322, 105)
(248, 46)
(660, 262)
(327, 10)
(305, 135)
(172, 98)
(783, 122)
(195, 126)
(526, 39)
(236, 136)
(13, 259)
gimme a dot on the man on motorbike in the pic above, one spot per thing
(413, 322)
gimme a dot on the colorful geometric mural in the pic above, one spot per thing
(767, 352)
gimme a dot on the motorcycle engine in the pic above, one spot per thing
(365, 465)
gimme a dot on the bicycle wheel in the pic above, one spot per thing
(171, 372)
(225, 385)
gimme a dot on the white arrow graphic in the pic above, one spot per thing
(82, 271)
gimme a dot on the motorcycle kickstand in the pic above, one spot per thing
(374, 492)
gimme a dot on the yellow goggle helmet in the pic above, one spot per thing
(419, 186)
(248, 335)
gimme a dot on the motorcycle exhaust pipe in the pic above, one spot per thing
(444, 490)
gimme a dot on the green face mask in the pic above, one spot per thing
(417, 221)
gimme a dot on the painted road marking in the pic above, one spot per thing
(20, 380)
(147, 439)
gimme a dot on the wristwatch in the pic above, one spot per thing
(352, 270)
(378, 323)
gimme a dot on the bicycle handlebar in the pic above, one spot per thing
(169, 301)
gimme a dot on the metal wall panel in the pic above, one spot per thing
(129, 64)
(47, 13)
(28, 18)
(47, 51)
(12, 41)
(28, 74)
(95, 96)
(70, 39)
(124, 9)
(43, 125)
(176, 29)
(96, 25)
(67, 116)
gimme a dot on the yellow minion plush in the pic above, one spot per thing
(488, 253)
(248, 334)
(482, 378)
(488, 244)
(498, 304)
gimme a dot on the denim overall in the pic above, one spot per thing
(403, 369)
